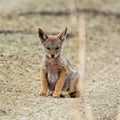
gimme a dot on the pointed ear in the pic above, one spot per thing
(42, 35)
(62, 35)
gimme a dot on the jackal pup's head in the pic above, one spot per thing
(52, 44)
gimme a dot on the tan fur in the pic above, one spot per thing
(44, 83)
(56, 73)
(60, 83)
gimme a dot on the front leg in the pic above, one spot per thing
(60, 83)
(44, 83)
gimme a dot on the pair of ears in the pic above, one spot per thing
(44, 36)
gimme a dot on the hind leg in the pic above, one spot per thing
(73, 86)
(65, 94)
(70, 86)
(75, 94)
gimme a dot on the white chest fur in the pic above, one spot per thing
(52, 77)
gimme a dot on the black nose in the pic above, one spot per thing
(52, 56)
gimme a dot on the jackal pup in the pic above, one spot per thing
(57, 76)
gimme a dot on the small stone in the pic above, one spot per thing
(2, 55)
(2, 112)
(23, 119)
(93, 81)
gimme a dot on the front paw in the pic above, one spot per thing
(42, 93)
(56, 95)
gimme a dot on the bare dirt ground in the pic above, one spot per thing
(21, 55)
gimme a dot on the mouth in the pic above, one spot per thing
(53, 56)
(50, 56)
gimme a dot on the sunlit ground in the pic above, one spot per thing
(21, 55)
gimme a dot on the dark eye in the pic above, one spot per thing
(48, 48)
(57, 48)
